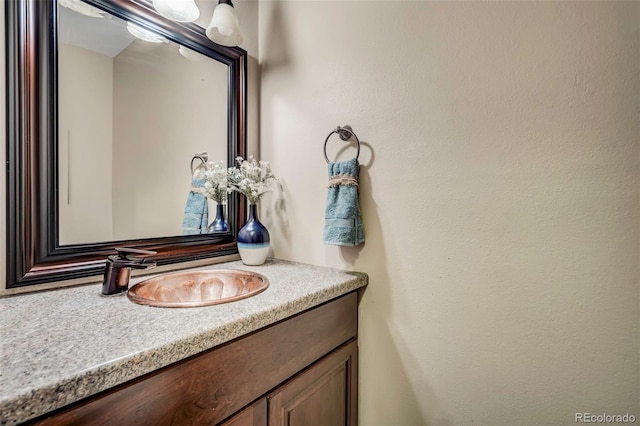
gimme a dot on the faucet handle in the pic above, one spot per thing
(118, 268)
(126, 257)
(126, 253)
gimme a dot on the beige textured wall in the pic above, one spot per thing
(248, 11)
(85, 125)
(161, 119)
(500, 193)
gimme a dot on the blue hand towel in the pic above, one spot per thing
(196, 211)
(343, 221)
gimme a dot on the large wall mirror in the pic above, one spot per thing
(108, 102)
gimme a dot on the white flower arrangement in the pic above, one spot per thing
(215, 181)
(251, 178)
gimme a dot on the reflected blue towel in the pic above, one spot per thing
(343, 221)
(196, 211)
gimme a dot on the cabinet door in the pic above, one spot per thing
(253, 415)
(325, 394)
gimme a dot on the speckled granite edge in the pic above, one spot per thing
(35, 402)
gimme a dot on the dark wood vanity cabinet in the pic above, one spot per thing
(300, 371)
(324, 394)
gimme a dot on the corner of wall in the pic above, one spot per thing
(248, 13)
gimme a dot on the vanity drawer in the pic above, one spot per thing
(209, 387)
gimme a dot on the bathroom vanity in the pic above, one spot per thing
(72, 356)
(285, 356)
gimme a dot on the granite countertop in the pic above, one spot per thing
(60, 346)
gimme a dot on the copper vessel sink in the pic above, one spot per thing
(200, 288)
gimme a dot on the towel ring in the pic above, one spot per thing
(204, 157)
(345, 132)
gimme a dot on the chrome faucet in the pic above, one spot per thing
(118, 269)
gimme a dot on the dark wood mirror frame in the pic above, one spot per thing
(34, 255)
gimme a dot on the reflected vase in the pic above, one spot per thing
(219, 224)
(253, 239)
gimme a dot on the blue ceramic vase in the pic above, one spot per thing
(253, 239)
(219, 224)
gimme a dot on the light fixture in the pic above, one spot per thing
(224, 28)
(177, 10)
(82, 8)
(144, 34)
(192, 55)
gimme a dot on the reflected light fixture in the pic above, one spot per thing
(82, 8)
(192, 55)
(177, 10)
(224, 28)
(144, 34)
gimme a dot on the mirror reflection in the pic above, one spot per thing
(133, 110)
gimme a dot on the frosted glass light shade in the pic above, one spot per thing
(83, 8)
(177, 10)
(192, 55)
(224, 28)
(144, 34)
